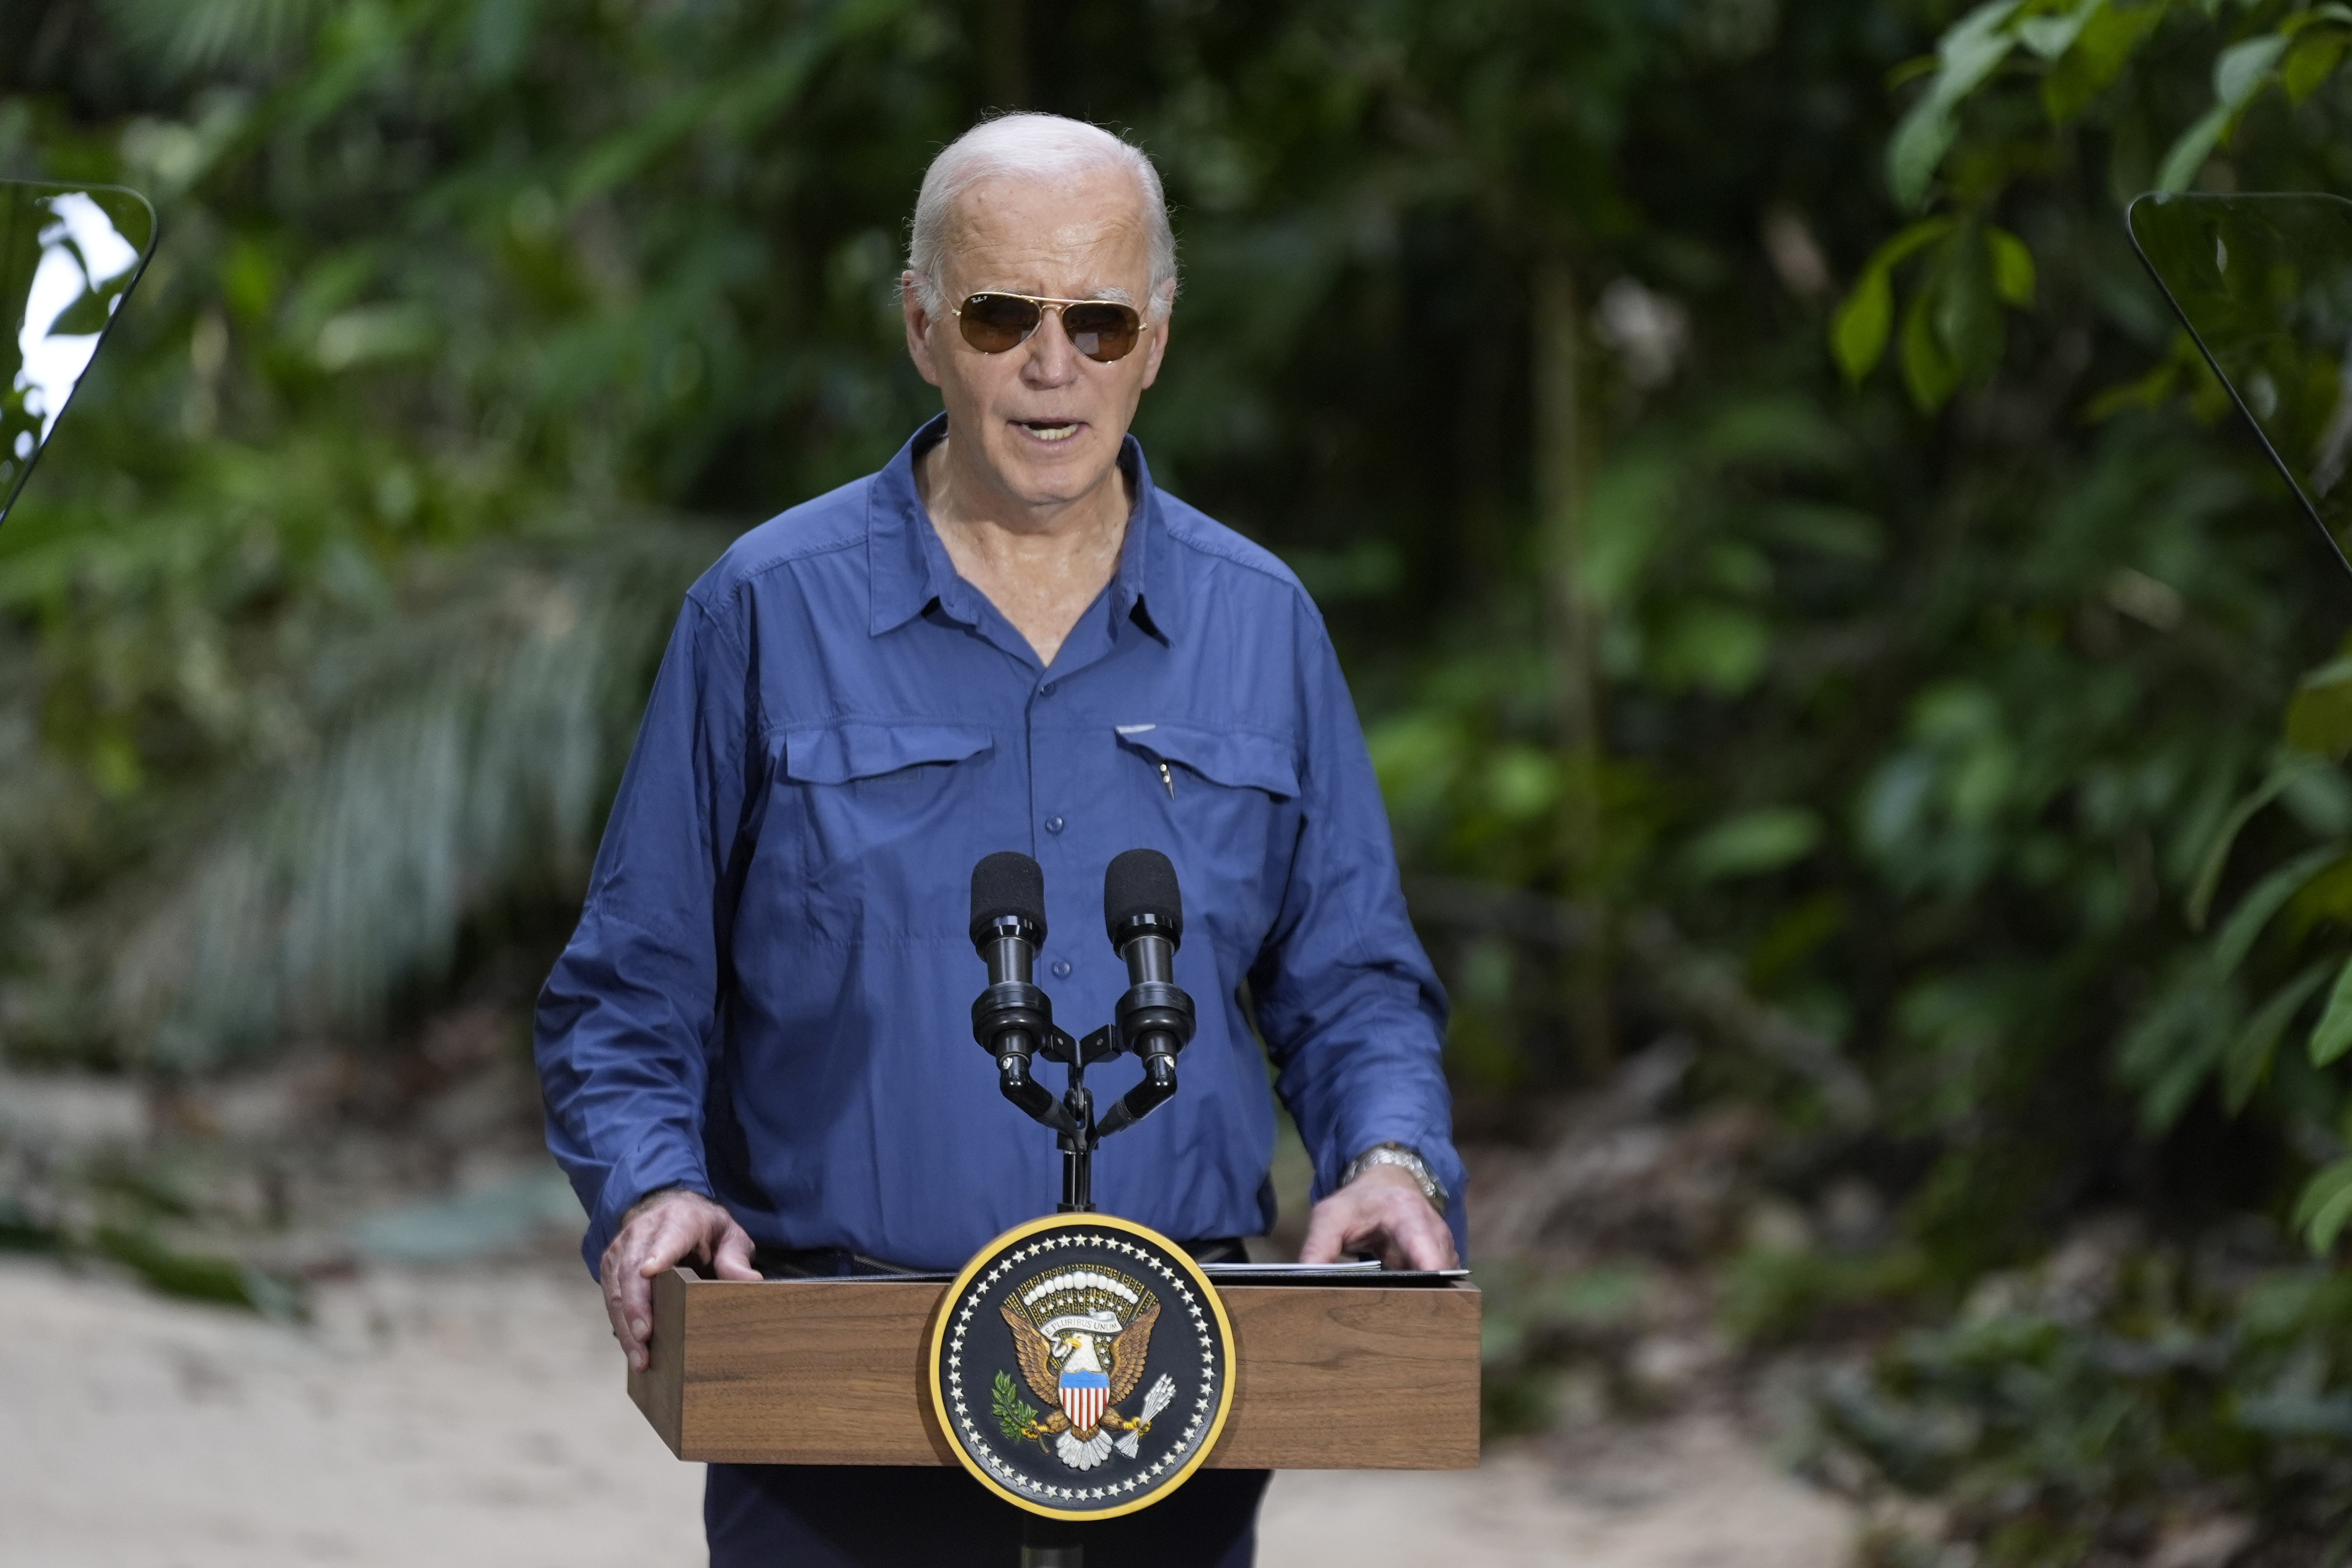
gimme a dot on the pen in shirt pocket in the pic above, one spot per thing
(1169, 779)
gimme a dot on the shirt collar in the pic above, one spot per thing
(908, 566)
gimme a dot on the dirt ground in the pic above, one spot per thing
(467, 1417)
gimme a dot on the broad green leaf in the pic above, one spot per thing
(1909, 70)
(2332, 1036)
(2244, 69)
(1919, 145)
(2150, 391)
(2189, 154)
(2334, 12)
(2324, 1208)
(2013, 266)
(2102, 49)
(2178, 1038)
(1716, 648)
(2310, 63)
(2051, 35)
(1752, 843)
(2240, 72)
(1910, 237)
(2248, 1060)
(2320, 717)
(1967, 311)
(1969, 52)
(2217, 854)
(2263, 901)
(1788, 434)
(2321, 801)
(1858, 332)
(1927, 370)
(1628, 520)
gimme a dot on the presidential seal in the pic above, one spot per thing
(1082, 1366)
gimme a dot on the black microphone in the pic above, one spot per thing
(1008, 914)
(1143, 910)
(1013, 1018)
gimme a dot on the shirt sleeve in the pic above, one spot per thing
(1346, 997)
(626, 1023)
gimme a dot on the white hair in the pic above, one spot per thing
(1038, 147)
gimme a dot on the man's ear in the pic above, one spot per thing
(918, 327)
(1155, 337)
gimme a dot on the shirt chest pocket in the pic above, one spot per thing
(861, 787)
(1226, 759)
(1231, 798)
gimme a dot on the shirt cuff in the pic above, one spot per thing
(657, 1163)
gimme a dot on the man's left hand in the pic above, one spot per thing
(1381, 1211)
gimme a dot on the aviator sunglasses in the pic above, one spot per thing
(1102, 330)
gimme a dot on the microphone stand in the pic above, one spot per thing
(1154, 1007)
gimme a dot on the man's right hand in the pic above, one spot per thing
(663, 1230)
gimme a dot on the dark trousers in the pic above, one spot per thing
(895, 1516)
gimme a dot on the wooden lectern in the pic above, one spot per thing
(830, 1372)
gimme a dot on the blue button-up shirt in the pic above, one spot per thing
(768, 998)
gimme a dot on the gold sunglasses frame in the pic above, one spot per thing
(1048, 307)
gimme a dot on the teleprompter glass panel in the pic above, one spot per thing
(2264, 283)
(69, 256)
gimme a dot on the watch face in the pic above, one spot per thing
(1082, 1366)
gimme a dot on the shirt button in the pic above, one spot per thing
(1061, 969)
(1053, 824)
(1047, 690)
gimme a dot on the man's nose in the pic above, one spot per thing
(1052, 358)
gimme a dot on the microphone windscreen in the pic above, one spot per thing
(1142, 882)
(1007, 883)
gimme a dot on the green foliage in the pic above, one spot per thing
(197, 1277)
(2325, 1205)
(1770, 1293)
(1966, 54)
(1859, 329)
(127, 1220)
(1952, 328)
(1532, 1317)
(477, 328)
(2319, 718)
(2058, 1414)
(2224, 1011)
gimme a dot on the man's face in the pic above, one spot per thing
(1042, 419)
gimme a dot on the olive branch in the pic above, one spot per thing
(1014, 1415)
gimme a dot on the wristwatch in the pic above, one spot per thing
(1403, 1159)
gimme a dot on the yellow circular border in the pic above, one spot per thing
(1080, 1222)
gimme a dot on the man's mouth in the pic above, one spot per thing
(1049, 430)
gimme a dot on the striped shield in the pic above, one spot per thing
(1084, 1394)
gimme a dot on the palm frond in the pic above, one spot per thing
(188, 36)
(472, 753)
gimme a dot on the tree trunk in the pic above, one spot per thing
(1563, 459)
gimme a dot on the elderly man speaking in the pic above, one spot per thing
(756, 1048)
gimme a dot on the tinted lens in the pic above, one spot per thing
(995, 322)
(1102, 331)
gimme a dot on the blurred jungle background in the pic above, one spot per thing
(1862, 720)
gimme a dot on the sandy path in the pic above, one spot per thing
(473, 1419)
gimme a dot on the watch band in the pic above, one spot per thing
(1406, 1160)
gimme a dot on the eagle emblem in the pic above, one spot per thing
(1081, 1336)
(1081, 1366)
